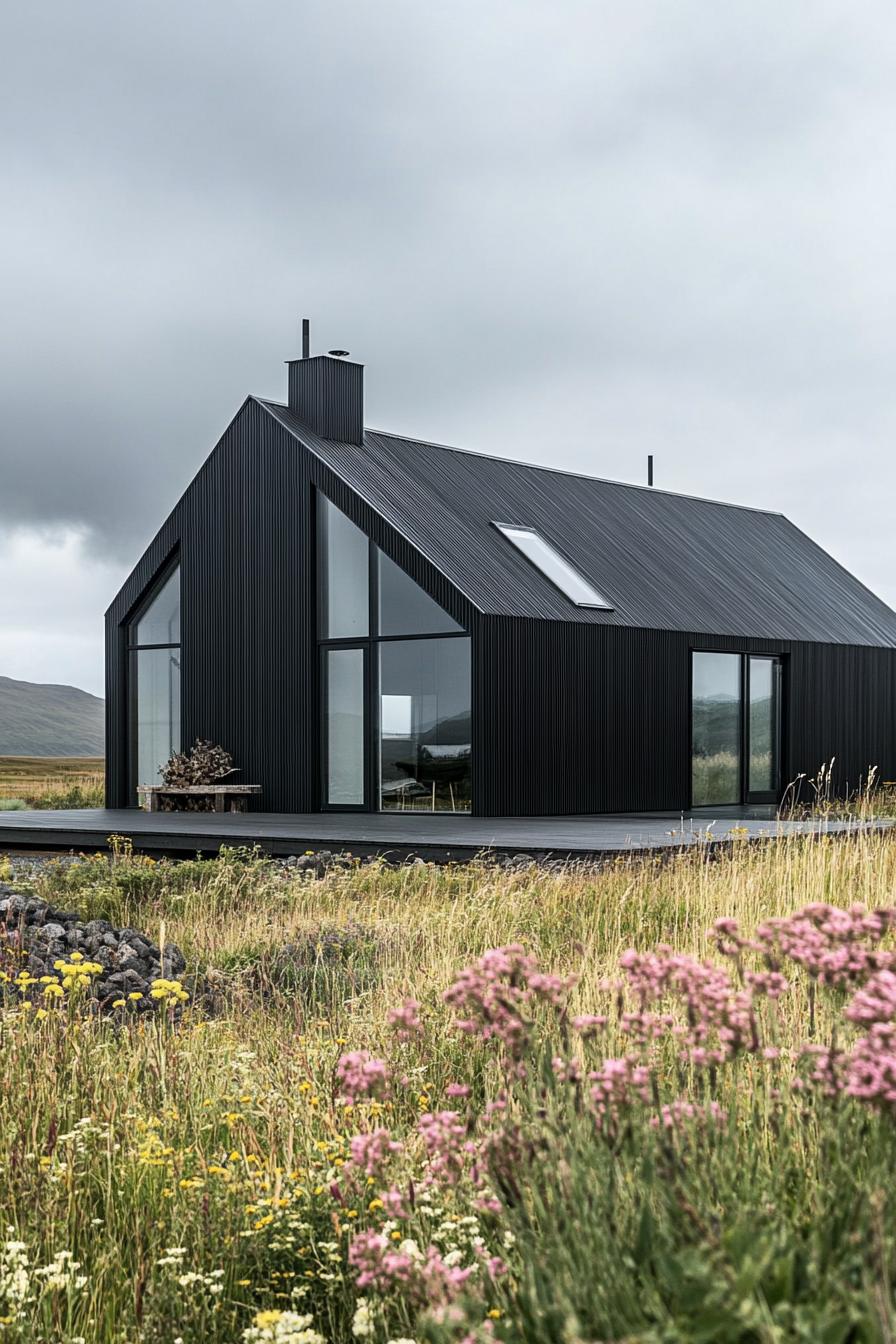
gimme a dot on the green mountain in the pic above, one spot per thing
(37, 720)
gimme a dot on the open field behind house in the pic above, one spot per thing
(51, 782)
(644, 1153)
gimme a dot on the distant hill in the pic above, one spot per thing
(38, 720)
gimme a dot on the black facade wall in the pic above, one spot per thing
(243, 533)
(567, 718)
(579, 719)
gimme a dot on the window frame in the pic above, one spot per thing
(132, 649)
(747, 797)
(505, 529)
(370, 643)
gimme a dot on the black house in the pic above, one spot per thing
(372, 622)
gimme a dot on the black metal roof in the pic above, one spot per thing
(664, 561)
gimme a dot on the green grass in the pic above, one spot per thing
(223, 1135)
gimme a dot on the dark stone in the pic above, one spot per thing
(95, 928)
(50, 933)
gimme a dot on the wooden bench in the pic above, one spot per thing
(226, 797)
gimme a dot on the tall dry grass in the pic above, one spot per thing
(222, 1136)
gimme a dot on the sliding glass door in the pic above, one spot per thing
(716, 727)
(735, 729)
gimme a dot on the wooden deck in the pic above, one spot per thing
(396, 834)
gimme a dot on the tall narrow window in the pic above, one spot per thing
(345, 745)
(765, 713)
(154, 638)
(344, 562)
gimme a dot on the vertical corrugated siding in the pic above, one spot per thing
(328, 396)
(249, 655)
(575, 719)
(568, 718)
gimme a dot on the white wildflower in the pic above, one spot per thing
(363, 1324)
(281, 1327)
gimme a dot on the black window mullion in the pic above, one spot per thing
(372, 744)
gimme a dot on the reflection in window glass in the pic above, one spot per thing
(157, 709)
(716, 729)
(763, 765)
(343, 559)
(160, 622)
(554, 567)
(405, 609)
(425, 725)
(345, 727)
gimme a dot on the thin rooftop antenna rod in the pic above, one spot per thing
(650, 468)
(306, 338)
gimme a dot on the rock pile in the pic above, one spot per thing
(36, 935)
(320, 862)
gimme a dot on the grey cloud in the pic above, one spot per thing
(576, 232)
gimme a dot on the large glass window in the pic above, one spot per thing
(425, 724)
(716, 729)
(157, 710)
(155, 672)
(343, 558)
(345, 727)
(404, 608)
(397, 708)
(736, 729)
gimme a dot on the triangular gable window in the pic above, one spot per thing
(404, 608)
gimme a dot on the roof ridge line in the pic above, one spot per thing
(558, 471)
(579, 475)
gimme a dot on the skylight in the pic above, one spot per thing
(553, 566)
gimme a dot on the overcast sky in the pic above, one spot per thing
(570, 231)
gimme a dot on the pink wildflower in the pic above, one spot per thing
(617, 1084)
(876, 1002)
(589, 1024)
(566, 1070)
(421, 1278)
(361, 1076)
(444, 1134)
(871, 1067)
(371, 1152)
(834, 946)
(405, 1021)
(681, 1112)
(394, 1203)
(493, 997)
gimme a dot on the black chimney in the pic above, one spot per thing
(326, 392)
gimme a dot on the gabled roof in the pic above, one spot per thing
(664, 561)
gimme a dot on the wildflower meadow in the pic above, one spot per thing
(652, 1101)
